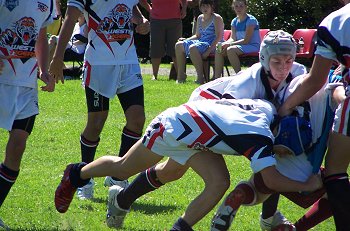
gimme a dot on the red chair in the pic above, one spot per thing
(309, 37)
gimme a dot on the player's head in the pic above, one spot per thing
(276, 43)
(294, 133)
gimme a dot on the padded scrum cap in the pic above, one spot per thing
(294, 133)
(276, 43)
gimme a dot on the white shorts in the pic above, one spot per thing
(294, 167)
(341, 119)
(17, 103)
(109, 80)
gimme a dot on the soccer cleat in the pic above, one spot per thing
(109, 182)
(274, 221)
(115, 214)
(64, 192)
(3, 225)
(86, 192)
(224, 216)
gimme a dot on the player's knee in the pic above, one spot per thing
(166, 174)
(260, 184)
(245, 192)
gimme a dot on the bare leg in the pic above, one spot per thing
(197, 61)
(155, 66)
(180, 61)
(217, 180)
(233, 54)
(170, 170)
(219, 64)
(137, 159)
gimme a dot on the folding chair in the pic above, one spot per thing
(71, 56)
(309, 37)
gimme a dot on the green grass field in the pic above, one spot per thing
(55, 142)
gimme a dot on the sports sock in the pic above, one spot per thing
(128, 139)
(74, 175)
(88, 149)
(181, 225)
(7, 179)
(269, 206)
(319, 212)
(145, 182)
(338, 191)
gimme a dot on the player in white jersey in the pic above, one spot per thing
(111, 68)
(263, 80)
(23, 48)
(333, 45)
(297, 165)
(194, 134)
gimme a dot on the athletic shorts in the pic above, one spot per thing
(17, 103)
(161, 137)
(341, 119)
(109, 80)
(164, 35)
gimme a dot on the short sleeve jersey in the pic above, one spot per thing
(241, 28)
(110, 37)
(247, 84)
(20, 23)
(334, 38)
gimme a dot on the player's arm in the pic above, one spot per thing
(42, 56)
(56, 66)
(275, 181)
(143, 25)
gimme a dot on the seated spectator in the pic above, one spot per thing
(76, 45)
(209, 32)
(245, 38)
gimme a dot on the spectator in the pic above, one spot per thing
(75, 46)
(166, 28)
(18, 79)
(210, 28)
(245, 38)
(55, 26)
(333, 45)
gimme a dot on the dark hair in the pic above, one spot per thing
(206, 2)
(244, 1)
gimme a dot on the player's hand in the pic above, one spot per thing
(314, 182)
(144, 27)
(56, 69)
(49, 81)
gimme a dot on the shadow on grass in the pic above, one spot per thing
(152, 209)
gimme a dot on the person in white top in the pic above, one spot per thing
(23, 48)
(111, 69)
(297, 164)
(333, 46)
(196, 134)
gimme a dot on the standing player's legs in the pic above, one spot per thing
(16, 144)
(212, 169)
(98, 107)
(337, 181)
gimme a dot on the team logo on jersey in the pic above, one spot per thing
(11, 4)
(20, 40)
(42, 7)
(117, 25)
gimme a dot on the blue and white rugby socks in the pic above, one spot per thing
(7, 179)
